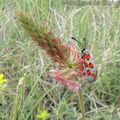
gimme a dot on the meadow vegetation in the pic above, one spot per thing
(27, 90)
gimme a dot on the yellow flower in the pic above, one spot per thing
(43, 115)
(2, 80)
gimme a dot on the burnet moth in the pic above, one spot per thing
(88, 68)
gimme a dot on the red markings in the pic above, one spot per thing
(88, 72)
(85, 63)
(93, 75)
(90, 65)
(86, 56)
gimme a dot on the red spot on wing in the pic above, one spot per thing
(85, 64)
(86, 56)
(93, 75)
(88, 72)
(90, 65)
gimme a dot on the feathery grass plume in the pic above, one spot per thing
(66, 55)
(44, 38)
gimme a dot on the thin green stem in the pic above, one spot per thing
(81, 104)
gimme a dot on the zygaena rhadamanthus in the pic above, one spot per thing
(88, 68)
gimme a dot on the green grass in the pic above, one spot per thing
(22, 99)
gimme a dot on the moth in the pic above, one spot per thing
(88, 68)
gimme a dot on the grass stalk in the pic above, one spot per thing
(81, 104)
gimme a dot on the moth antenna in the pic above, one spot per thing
(78, 42)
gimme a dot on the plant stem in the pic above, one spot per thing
(81, 104)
